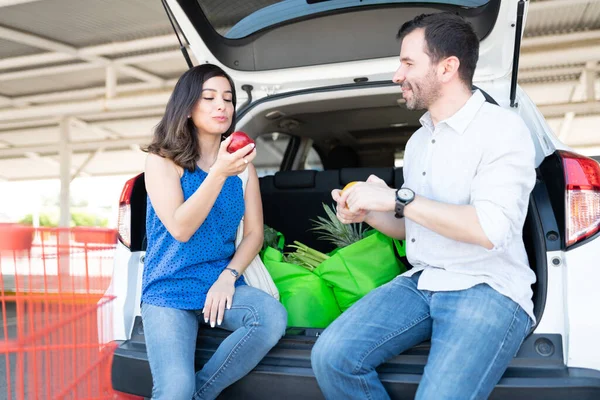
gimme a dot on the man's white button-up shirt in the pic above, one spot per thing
(481, 156)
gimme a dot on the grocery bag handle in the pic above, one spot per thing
(400, 247)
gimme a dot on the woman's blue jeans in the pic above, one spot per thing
(474, 335)
(257, 322)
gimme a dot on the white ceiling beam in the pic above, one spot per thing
(38, 72)
(47, 160)
(88, 160)
(25, 124)
(82, 94)
(559, 57)
(33, 60)
(150, 112)
(155, 42)
(120, 64)
(36, 41)
(110, 144)
(7, 3)
(91, 106)
(559, 110)
(99, 131)
(548, 72)
(174, 55)
(559, 39)
(590, 80)
(131, 172)
(139, 74)
(565, 126)
(92, 122)
(111, 82)
(46, 44)
(5, 101)
(554, 4)
(50, 149)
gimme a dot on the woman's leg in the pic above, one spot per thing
(170, 342)
(257, 322)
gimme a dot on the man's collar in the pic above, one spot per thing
(462, 118)
(427, 122)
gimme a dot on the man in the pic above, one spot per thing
(468, 174)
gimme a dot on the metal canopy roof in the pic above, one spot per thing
(106, 69)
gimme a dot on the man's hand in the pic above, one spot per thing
(219, 296)
(377, 180)
(373, 195)
(345, 215)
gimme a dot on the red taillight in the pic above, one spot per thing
(582, 183)
(124, 223)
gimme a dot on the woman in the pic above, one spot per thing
(193, 272)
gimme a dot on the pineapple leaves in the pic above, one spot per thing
(332, 230)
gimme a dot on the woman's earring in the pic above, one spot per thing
(189, 116)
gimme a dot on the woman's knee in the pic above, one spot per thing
(273, 321)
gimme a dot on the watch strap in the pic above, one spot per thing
(235, 273)
(400, 205)
(399, 209)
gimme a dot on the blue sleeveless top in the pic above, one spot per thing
(178, 275)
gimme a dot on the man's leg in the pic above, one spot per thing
(382, 324)
(475, 334)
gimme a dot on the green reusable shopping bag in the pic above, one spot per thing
(309, 301)
(355, 270)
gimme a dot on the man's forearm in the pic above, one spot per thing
(386, 223)
(457, 222)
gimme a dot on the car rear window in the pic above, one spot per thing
(236, 19)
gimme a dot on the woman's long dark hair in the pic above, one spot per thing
(175, 135)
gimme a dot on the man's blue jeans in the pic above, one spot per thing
(474, 335)
(257, 322)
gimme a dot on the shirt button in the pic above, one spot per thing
(413, 240)
(433, 141)
(424, 173)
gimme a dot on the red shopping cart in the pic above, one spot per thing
(56, 322)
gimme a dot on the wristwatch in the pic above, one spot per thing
(403, 198)
(233, 272)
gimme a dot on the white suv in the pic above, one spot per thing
(320, 72)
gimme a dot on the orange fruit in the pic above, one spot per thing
(346, 187)
(349, 185)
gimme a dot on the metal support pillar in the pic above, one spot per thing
(64, 238)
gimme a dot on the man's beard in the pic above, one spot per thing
(424, 92)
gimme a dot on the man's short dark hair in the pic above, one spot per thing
(447, 35)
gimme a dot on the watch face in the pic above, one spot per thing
(405, 194)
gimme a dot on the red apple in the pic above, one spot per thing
(238, 140)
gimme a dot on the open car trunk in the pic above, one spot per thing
(275, 46)
(371, 123)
